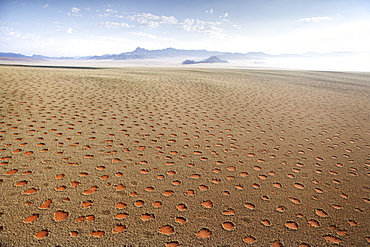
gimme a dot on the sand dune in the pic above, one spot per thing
(184, 157)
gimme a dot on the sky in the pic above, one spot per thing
(92, 27)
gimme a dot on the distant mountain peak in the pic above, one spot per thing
(212, 59)
(140, 49)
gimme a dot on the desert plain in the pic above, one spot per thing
(184, 157)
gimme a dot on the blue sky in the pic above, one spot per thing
(78, 28)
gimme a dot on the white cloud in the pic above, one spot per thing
(110, 11)
(45, 6)
(198, 25)
(151, 20)
(75, 10)
(109, 24)
(224, 17)
(6, 31)
(216, 32)
(107, 12)
(103, 15)
(208, 27)
(69, 30)
(316, 19)
(142, 34)
(16, 35)
(209, 11)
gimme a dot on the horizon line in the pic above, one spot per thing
(225, 52)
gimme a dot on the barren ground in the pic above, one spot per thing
(184, 157)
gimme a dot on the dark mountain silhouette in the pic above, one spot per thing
(212, 59)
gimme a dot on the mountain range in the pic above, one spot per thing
(17, 56)
(141, 53)
(212, 59)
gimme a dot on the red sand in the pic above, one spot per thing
(184, 157)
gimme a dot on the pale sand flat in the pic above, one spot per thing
(184, 157)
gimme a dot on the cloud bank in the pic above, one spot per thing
(316, 19)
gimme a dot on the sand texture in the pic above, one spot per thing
(184, 157)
